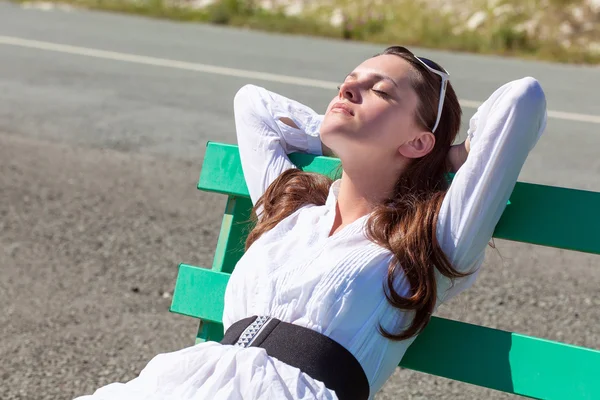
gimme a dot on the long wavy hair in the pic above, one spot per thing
(405, 224)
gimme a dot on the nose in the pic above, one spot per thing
(350, 92)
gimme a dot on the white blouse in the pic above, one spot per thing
(334, 285)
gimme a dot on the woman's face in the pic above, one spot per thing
(373, 118)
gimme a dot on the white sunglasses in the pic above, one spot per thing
(442, 73)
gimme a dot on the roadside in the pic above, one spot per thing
(561, 31)
(90, 241)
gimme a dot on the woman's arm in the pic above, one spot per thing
(458, 155)
(269, 127)
(326, 151)
(501, 134)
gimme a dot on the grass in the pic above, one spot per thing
(395, 21)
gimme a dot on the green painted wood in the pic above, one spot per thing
(505, 361)
(201, 289)
(538, 214)
(552, 216)
(234, 229)
(209, 331)
(222, 169)
(482, 356)
(199, 293)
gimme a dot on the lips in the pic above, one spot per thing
(343, 107)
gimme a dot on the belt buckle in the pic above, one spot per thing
(252, 331)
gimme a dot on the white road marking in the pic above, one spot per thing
(233, 72)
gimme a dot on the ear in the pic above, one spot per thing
(419, 147)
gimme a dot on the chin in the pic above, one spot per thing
(335, 132)
(337, 122)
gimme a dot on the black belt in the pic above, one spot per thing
(314, 354)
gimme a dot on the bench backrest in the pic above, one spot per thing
(496, 359)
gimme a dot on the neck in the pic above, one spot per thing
(359, 194)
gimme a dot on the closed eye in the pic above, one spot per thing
(381, 93)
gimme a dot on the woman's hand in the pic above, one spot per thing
(457, 155)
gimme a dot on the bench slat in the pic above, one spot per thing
(538, 214)
(505, 361)
(222, 169)
(199, 293)
(232, 237)
(492, 358)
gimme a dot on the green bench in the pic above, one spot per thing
(496, 359)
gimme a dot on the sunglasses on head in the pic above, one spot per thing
(439, 71)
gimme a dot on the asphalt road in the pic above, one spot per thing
(103, 123)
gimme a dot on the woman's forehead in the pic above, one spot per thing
(389, 65)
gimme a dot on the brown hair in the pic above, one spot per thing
(405, 224)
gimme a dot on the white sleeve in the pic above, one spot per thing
(264, 141)
(504, 130)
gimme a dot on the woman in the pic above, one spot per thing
(360, 264)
